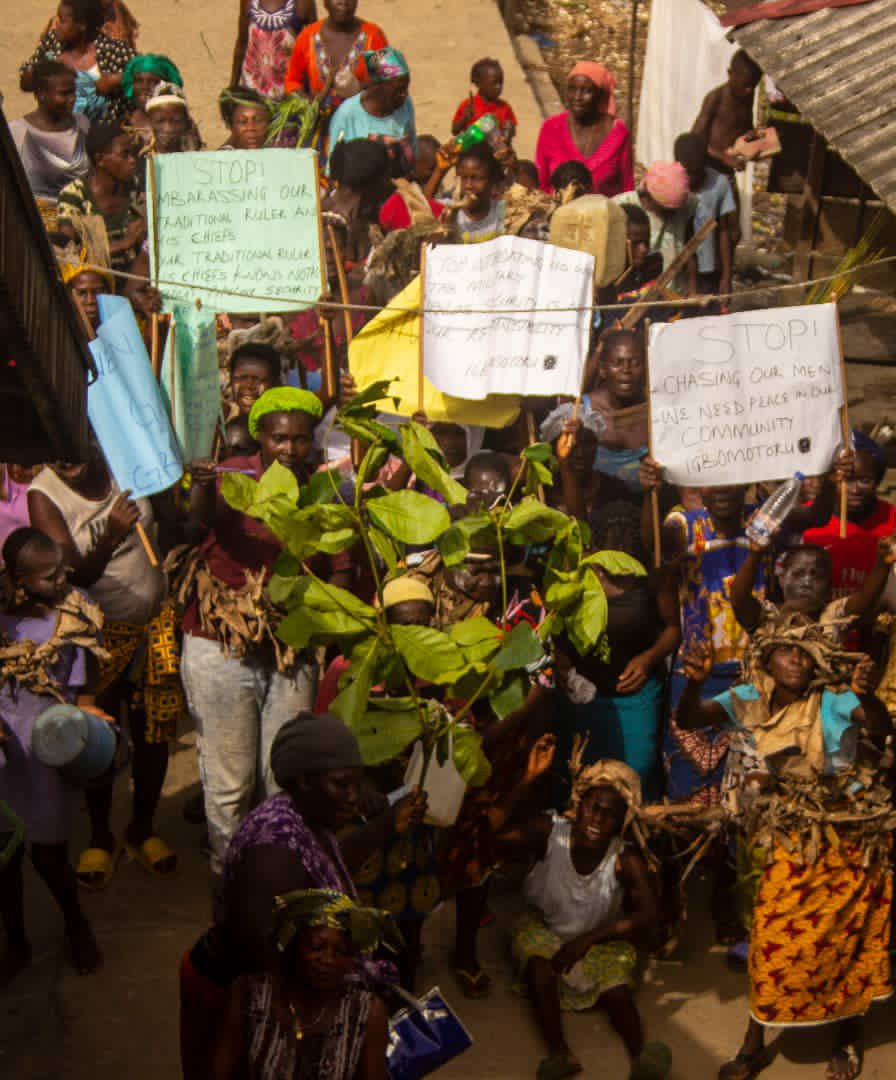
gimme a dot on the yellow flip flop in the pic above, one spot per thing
(155, 857)
(96, 867)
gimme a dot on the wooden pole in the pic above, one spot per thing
(141, 532)
(172, 371)
(654, 495)
(329, 381)
(155, 352)
(343, 285)
(632, 49)
(844, 427)
(420, 393)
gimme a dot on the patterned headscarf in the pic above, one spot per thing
(601, 78)
(167, 93)
(154, 63)
(367, 928)
(667, 183)
(833, 666)
(284, 399)
(385, 64)
(613, 774)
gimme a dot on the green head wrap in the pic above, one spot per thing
(284, 399)
(154, 63)
(367, 928)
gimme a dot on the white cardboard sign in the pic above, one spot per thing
(473, 355)
(747, 397)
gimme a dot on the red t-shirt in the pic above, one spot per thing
(852, 559)
(500, 109)
(394, 213)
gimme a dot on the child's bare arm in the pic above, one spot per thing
(706, 116)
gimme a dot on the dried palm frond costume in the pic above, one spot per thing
(610, 963)
(821, 926)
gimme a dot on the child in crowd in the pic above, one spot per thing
(50, 139)
(715, 202)
(482, 217)
(643, 266)
(173, 128)
(254, 368)
(590, 904)
(727, 112)
(488, 78)
(410, 205)
(571, 180)
(45, 619)
(526, 174)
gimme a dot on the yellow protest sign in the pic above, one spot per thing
(390, 345)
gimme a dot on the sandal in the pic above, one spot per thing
(96, 867)
(744, 1066)
(474, 985)
(154, 856)
(654, 1062)
(850, 1058)
(557, 1067)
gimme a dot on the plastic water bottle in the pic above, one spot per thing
(770, 516)
(479, 131)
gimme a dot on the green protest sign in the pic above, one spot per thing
(189, 381)
(242, 222)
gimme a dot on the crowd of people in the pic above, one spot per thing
(732, 674)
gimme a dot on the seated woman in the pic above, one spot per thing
(821, 927)
(78, 41)
(382, 111)
(50, 139)
(306, 1019)
(248, 117)
(590, 903)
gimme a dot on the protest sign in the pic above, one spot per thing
(746, 397)
(242, 221)
(125, 407)
(389, 347)
(472, 355)
(191, 387)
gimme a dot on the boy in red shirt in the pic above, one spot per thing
(488, 78)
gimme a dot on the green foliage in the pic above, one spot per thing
(409, 517)
(616, 563)
(469, 757)
(428, 653)
(387, 729)
(422, 453)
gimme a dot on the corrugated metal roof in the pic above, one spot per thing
(837, 67)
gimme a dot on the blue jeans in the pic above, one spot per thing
(238, 706)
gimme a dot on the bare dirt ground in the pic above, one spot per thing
(123, 1021)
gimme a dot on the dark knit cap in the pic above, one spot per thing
(312, 743)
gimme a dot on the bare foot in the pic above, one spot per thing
(15, 959)
(845, 1063)
(86, 954)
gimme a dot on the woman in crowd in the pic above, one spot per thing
(263, 683)
(41, 664)
(138, 80)
(265, 37)
(590, 905)
(305, 1019)
(329, 55)
(172, 128)
(86, 282)
(247, 116)
(287, 843)
(50, 140)
(818, 951)
(589, 131)
(382, 111)
(95, 524)
(14, 483)
(107, 192)
(97, 60)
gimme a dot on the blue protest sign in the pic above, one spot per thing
(125, 406)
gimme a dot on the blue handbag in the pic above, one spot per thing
(424, 1037)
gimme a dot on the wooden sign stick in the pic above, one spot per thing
(844, 428)
(155, 348)
(420, 396)
(91, 336)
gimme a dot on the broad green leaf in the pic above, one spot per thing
(478, 637)
(560, 595)
(286, 565)
(321, 488)
(540, 451)
(533, 521)
(617, 563)
(443, 745)
(281, 588)
(428, 468)
(587, 621)
(336, 540)
(550, 626)
(300, 535)
(510, 696)
(469, 757)
(324, 613)
(367, 397)
(428, 653)
(384, 547)
(238, 491)
(409, 516)
(277, 481)
(454, 546)
(386, 731)
(352, 700)
(473, 531)
(327, 597)
(542, 473)
(519, 649)
(373, 461)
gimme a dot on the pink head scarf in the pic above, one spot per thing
(601, 78)
(667, 183)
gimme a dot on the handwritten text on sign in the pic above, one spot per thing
(753, 396)
(241, 221)
(470, 355)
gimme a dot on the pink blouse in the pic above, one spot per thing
(610, 165)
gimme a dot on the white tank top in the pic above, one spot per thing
(573, 904)
(131, 589)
